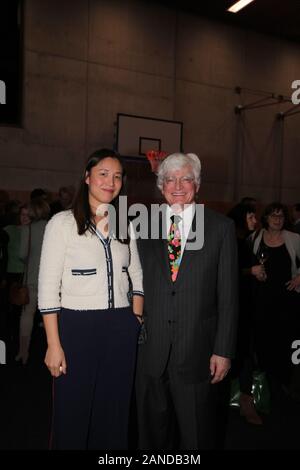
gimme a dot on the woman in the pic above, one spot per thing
(30, 252)
(91, 328)
(16, 219)
(276, 294)
(243, 366)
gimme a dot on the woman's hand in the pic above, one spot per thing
(293, 283)
(137, 307)
(55, 360)
(139, 317)
(258, 271)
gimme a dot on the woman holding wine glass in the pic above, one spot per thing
(276, 294)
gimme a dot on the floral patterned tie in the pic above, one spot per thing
(174, 247)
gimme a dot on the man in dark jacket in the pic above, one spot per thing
(190, 315)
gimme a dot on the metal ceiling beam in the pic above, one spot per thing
(289, 112)
(261, 103)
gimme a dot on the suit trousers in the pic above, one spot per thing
(173, 414)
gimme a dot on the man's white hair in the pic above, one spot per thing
(176, 161)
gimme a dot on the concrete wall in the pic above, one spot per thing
(85, 61)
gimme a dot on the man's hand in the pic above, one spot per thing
(219, 367)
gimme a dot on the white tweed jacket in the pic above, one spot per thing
(85, 272)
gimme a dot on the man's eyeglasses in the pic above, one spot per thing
(277, 216)
(184, 180)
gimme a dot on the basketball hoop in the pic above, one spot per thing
(155, 158)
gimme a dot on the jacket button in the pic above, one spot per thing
(173, 293)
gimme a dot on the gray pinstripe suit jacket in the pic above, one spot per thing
(196, 316)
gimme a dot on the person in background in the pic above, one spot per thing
(3, 266)
(276, 295)
(24, 215)
(65, 200)
(14, 275)
(30, 252)
(249, 201)
(294, 388)
(243, 367)
(91, 326)
(39, 193)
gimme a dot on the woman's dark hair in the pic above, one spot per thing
(81, 207)
(239, 215)
(275, 207)
(12, 212)
(38, 193)
(249, 201)
(297, 207)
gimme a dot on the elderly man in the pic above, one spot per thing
(190, 315)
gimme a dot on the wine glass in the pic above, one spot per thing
(262, 256)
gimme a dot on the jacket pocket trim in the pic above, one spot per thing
(84, 272)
